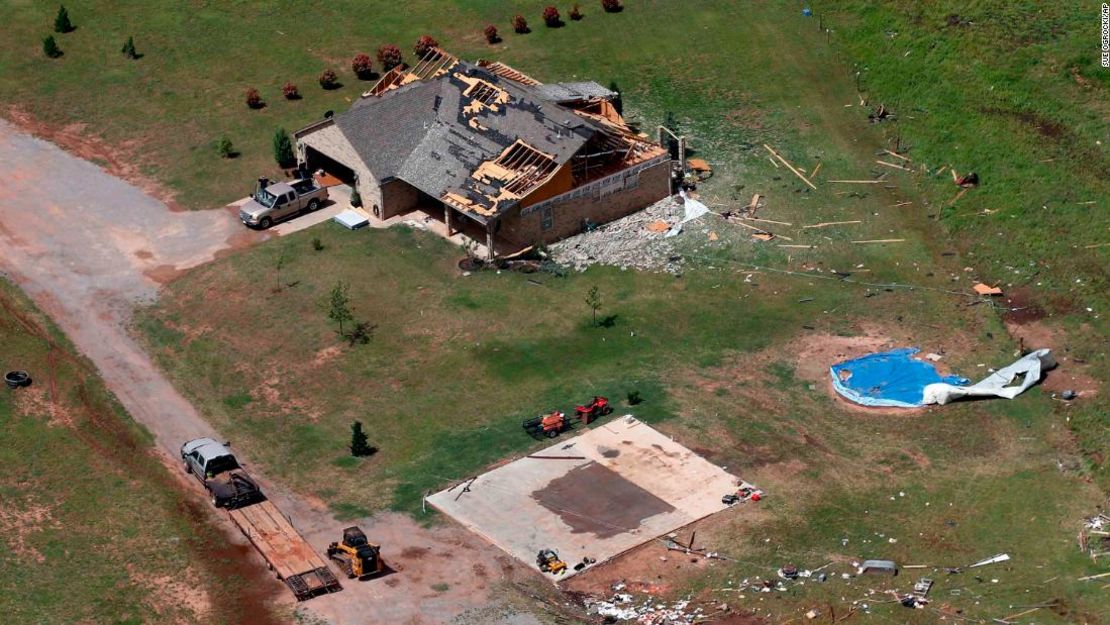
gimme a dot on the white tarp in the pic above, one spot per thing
(351, 219)
(1008, 382)
(693, 208)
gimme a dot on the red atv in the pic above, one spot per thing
(599, 407)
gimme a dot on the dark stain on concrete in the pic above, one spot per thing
(594, 499)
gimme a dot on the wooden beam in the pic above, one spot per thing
(832, 223)
(770, 221)
(897, 155)
(790, 167)
(894, 165)
(857, 181)
(879, 241)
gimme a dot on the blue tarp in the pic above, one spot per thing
(891, 378)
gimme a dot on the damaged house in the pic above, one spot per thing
(495, 154)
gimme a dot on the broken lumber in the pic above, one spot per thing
(770, 221)
(754, 203)
(894, 165)
(879, 241)
(857, 181)
(897, 155)
(832, 223)
(815, 170)
(807, 247)
(790, 167)
(900, 204)
(1090, 577)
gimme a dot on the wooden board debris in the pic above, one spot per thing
(790, 167)
(832, 223)
(857, 181)
(878, 241)
(894, 165)
(983, 289)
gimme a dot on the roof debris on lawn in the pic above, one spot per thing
(983, 289)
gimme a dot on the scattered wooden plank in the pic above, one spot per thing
(815, 170)
(831, 223)
(955, 178)
(805, 247)
(1096, 245)
(899, 204)
(894, 165)
(754, 203)
(790, 167)
(770, 221)
(773, 162)
(897, 155)
(857, 181)
(878, 241)
(958, 196)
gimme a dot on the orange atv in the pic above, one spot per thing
(549, 425)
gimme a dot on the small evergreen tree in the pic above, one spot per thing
(289, 90)
(225, 148)
(575, 12)
(129, 49)
(356, 198)
(551, 17)
(283, 148)
(612, 6)
(360, 444)
(339, 305)
(253, 98)
(389, 56)
(328, 79)
(520, 25)
(593, 300)
(618, 102)
(61, 22)
(423, 45)
(50, 47)
(362, 66)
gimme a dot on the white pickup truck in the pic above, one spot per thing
(272, 203)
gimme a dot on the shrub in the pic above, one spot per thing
(551, 17)
(283, 148)
(520, 25)
(328, 79)
(423, 45)
(612, 6)
(50, 47)
(634, 398)
(361, 333)
(224, 148)
(128, 49)
(61, 22)
(289, 90)
(317, 244)
(575, 12)
(356, 198)
(360, 445)
(389, 56)
(491, 34)
(254, 100)
(362, 66)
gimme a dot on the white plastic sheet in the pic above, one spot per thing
(1007, 382)
(693, 210)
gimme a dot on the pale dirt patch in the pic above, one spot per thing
(18, 523)
(1068, 374)
(34, 401)
(326, 355)
(180, 598)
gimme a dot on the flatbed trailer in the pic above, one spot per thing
(289, 555)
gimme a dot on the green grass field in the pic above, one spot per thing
(728, 357)
(94, 528)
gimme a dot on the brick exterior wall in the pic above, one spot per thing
(329, 141)
(398, 197)
(566, 217)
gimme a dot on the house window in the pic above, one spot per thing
(547, 218)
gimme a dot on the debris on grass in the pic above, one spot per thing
(983, 289)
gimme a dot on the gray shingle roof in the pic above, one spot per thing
(571, 91)
(419, 133)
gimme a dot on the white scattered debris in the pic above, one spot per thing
(637, 240)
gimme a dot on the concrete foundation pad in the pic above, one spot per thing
(594, 495)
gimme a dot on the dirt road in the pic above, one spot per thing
(87, 248)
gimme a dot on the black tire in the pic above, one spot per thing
(265, 223)
(552, 433)
(188, 468)
(607, 410)
(313, 206)
(17, 379)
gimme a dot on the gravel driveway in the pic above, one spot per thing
(87, 248)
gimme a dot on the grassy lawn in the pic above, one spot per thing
(94, 528)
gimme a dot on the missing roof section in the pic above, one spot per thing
(504, 71)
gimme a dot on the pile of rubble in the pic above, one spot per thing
(646, 611)
(636, 241)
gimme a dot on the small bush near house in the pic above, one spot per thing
(254, 99)
(50, 47)
(612, 6)
(552, 18)
(224, 148)
(575, 12)
(61, 22)
(423, 45)
(128, 49)
(491, 34)
(289, 90)
(389, 56)
(317, 244)
(634, 398)
(520, 25)
(362, 66)
(328, 79)
(283, 148)
(356, 198)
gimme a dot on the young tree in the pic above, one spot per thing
(283, 148)
(362, 66)
(224, 148)
(253, 98)
(360, 445)
(339, 305)
(618, 102)
(593, 300)
(356, 197)
(575, 12)
(520, 25)
(129, 49)
(61, 22)
(389, 56)
(612, 6)
(328, 79)
(423, 45)
(50, 47)
(289, 90)
(551, 17)
(491, 34)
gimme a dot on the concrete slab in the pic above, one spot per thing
(595, 495)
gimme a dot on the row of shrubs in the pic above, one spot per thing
(63, 25)
(551, 18)
(389, 56)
